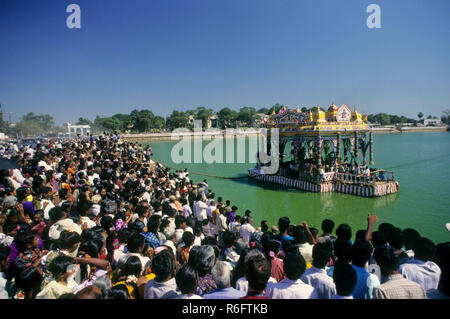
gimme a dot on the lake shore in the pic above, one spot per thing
(167, 136)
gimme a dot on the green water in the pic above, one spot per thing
(421, 162)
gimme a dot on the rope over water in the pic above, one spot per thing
(208, 175)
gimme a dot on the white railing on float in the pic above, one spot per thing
(362, 179)
(327, 177)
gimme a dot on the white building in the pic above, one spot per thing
(73, 130)
(432, 122)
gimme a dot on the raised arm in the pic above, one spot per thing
(371, 221)
(313, 240)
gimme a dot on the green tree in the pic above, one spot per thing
(159, 123)
(83, 121)
(385, 119)
(227, 117)
(445, 118)
(111, 124)
(143, 120)
(177, 120)
(247, 115)
(264, 110)
(126, 121)
(202, 113)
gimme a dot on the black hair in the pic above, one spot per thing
(395, 238)
(186, 279)
(4, 252)
(378, 238)
(137, 226)
(344, 277)
(62, 193)
(283, 224)
(300, 235)
(83, 206)
(123, 235)
(264, 226)
(387, 258)
(135, 243)
(193, 254)
(424, 249)
(106, 222)
(67, 206)
(24, 239)
(343, 250)
(29, 279)
(360, 234)
(153, 223)
(385, 228)
(118, 292)
(228, 238)
(55, 213)
(141, 210)
(258, 272)
(209, 241)
(294, 265)
(327, 226)
(92, 247)
(89, 292)
(410, 236)
(9, 227)
(68, 239)
(188, 238)
(321, 254)
(344, 231)
(132, 266)
(58, 266)
(361, 252)
(179, 219)
(163, 264)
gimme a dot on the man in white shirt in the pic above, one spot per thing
(292, 287)
(164, 285)
(247, 229)
(221, 224)
(209, 212)
(421, 269)
(200, 209)
(62, 223)
(317, 276)
(17, 175)
(301, 237)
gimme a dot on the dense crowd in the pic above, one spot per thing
(96, 218)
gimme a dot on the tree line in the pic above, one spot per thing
(140, 121)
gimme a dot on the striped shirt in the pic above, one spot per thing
(398, 287)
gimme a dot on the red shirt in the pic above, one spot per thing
(277, 270)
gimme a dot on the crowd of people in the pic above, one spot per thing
(95, 218)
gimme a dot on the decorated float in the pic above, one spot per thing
(328, 151)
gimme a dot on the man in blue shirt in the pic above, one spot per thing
(221, 274)
(365, 281)
(283, 225)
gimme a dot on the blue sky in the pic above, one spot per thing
(179, 54)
